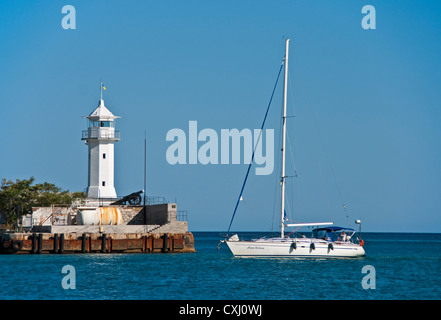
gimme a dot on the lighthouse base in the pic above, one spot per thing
(96, 192)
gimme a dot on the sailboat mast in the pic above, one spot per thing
(282, 213)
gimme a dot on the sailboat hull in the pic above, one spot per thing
(291, 248)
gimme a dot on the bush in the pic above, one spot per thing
(17, 198)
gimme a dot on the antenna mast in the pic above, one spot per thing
(145, 165)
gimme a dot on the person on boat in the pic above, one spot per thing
(343, 236)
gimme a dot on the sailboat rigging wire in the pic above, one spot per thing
(254, 150)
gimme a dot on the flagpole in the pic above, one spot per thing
(145, 165)
(101, 89)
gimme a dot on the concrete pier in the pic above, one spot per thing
(138, 229)
(40, 243)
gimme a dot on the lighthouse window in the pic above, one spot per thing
(106, 124)
(93, 124)
(104, 156)
(102, 124)
(104, 183)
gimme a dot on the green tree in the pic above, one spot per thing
(17, 198)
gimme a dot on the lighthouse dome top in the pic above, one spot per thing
(102, 113)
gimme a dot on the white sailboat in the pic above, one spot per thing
(327, 240)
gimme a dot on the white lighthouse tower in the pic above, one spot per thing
(101, 136)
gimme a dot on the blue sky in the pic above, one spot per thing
(367, 103)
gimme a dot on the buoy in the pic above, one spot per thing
(361, 242)
(17, 245)
(292, 247)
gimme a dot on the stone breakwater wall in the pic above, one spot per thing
(141, 229)
(57, 243)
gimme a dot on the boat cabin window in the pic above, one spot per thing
(324, 234)
(319, 234)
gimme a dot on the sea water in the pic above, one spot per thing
(401, 266)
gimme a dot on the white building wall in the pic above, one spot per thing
(101, 170)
